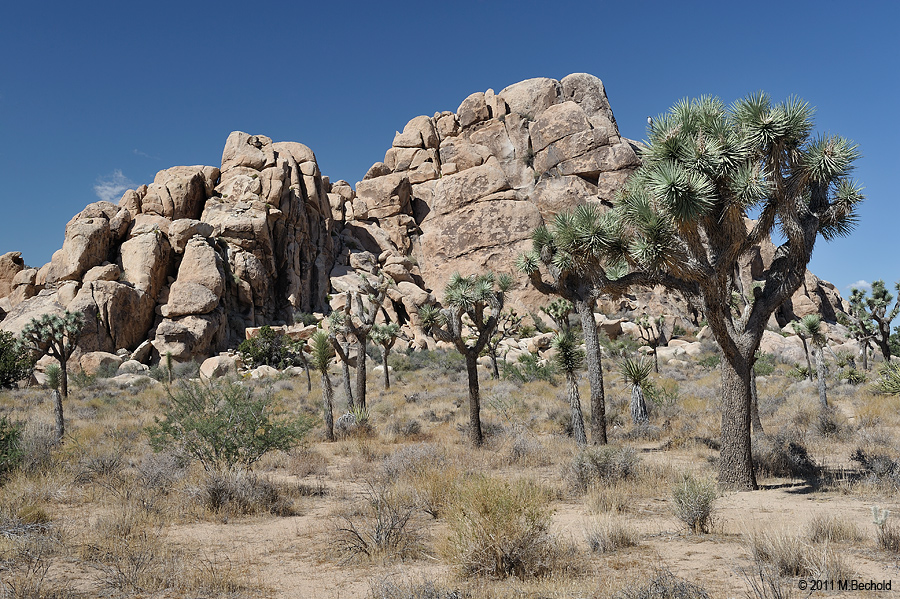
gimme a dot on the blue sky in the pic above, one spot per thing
(97, 95)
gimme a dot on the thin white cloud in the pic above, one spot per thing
(111, 187)
(860, 284)
(137, 152)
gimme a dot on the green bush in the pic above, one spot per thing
(888, 382)
(443, 361)
(709, 362)
(15, 364)
(270, 349)
(10, 445)
(764, 365)
(528, 368)
(225, 426)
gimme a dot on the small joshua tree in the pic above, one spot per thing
(570, 358)
(478, 298)
(637, 373)
(357, 320)
(385, 335)
(559, 310)
(653, 334)
(508, 325)
(810, 327)
(321, 354)
(56, 336)
(872, 318)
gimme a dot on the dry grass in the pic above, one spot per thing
(104, 514)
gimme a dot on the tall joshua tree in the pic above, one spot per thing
(474, 303)
(581, 278)
(56, 336)
(570, 358)
(810, 327)
(681, 221)
(320, 358)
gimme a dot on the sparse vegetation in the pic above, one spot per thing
(694, 499)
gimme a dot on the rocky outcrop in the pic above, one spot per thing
(190, 264)
(192, 259)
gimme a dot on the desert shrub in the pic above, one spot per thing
(764, 583)
(271, 349)
(607, 535)
(432, 479)
(37, 445)
(225, 426)
(242, 493)
(529, 368)
(405, 427)
(764, 365)
(160, 471)
(389, 588)
(799, 372)
(709, 362)
(525, 450)
(10, 445)
(606, 464)
(852, 376)
(783, 454)
(888, 381)
(500, 528)
(15, 364)
(382, 528)
(789, 555)
(664, 585)
(305, 461)
(662, 392)
(823, 528)
(887, 532)
(180, 371)
(879, 468)
(694, 499)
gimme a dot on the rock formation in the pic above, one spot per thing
(193, 260)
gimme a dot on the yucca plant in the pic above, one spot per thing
(637, 374)
(570, 358)
(385, 335)
(810, 327)
(321, 354)
(888, 382)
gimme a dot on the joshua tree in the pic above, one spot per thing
(810, 326)
(385, 335)
(681, 221)
(653, 334)
(321, 354)
(341, 347)
(357, 320)
(508, 324)
(804, 335)
(56, 336)
(479, 300)
(570, 358)
(872, 317)
(580, 277)
(637, 373)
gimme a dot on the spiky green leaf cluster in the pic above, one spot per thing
(636, 372)
(383, 334)
(569, 356)
(321, 351)
(467, 292)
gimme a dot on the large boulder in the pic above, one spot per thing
(11, 264)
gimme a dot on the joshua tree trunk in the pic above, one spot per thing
(865, 355)
(594, 360)
(60, 421)
(754, 405)
(638, 406)
(575, 405)
(474, 399)
(495, 372)
(361, 373)
(63, 383)
(820, 375)
(387, 375)
(809, 370)
(736, 460)
(345, 370)
(328, 406)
